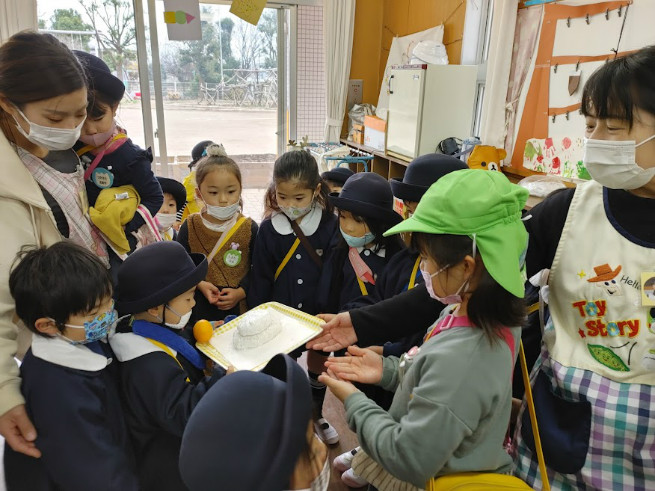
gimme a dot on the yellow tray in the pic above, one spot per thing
(297, 328)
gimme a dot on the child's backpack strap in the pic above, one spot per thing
(286, 259)
(168, 351)
(170, 339)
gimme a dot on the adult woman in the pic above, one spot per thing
(43, 101)
(594, 380)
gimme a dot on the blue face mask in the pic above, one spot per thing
(367, 238)
(97, 328)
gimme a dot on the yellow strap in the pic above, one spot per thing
(412, 279)
(231, 232)
(533, 419)
(167, 350)
(533, 308)
(88, 148)
(362, 287)
(286, 259)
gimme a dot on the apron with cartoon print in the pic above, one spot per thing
(594, 380)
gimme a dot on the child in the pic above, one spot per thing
(193, 203)
(365, 207)
(288, 260)
(110, 158)
(174, 200)
(222, 233)
(453, 395)
(63, 295)
(162, 375)
(236, 414)
(336, 178)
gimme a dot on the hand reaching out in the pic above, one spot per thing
(362, 365)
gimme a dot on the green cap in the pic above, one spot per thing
(487, 207)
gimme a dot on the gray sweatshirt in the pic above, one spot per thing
(450, 411)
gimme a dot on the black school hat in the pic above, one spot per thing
(100, 77)
(174, 187)
(198, 151)
(368, 195)
(338, 174)
(156, 274)
(248, 430)
(423, 172)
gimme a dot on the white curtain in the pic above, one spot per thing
(15, 16)
(338, 27)
(492, 127)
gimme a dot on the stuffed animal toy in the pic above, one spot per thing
(486, 157)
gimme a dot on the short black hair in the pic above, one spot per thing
(490, 307)
(99, 103)
(56, 282)
(620, 86)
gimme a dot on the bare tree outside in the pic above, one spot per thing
(113, 22)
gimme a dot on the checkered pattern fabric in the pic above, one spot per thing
(621, 454)
(67, 190)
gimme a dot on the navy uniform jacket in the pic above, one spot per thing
(129, 164)
(158, 402)
(394, 279)
(79, 421)
(298, 282)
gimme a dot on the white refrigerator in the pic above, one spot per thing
(427, 104)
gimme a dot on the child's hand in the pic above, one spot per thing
(362, 365)
(340, 388)
(210, 291)
(230, 297)
(378, 350)
(230, 370)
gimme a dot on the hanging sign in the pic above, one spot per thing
(182, 18)
(248, 10)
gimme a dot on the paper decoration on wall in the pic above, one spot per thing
(248, 10)
(559, 156)
(574, 82)
(530, 3)
(182, 18)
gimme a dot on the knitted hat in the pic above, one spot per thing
(338, 174)
(485, 206)
(114, 208)
(100, 77)
(421, 173)
(368, 195)
(175, 188)
(248, 430)
(156, 274)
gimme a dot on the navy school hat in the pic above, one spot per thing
(156, 274)
(198, 151)
(99, 76)
(338, 174)
(421, 173)
(368, 195)
(174, 187)
(248, 430)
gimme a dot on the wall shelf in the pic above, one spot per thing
(385, 165)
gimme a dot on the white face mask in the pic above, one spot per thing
(223, 212)
(48, 137)
(612, 163)
(165, 220)
(293, 212)
(181, 324)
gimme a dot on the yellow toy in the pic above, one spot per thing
(486, 157)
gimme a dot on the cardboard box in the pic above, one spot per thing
(375, 134)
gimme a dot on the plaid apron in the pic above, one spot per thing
(70, 193)
(598, 347)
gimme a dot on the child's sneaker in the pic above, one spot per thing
(326, 431)
(344, 461)
(352, 480)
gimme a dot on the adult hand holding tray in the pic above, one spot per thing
(295, 329)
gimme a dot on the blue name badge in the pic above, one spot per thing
(102, 178)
